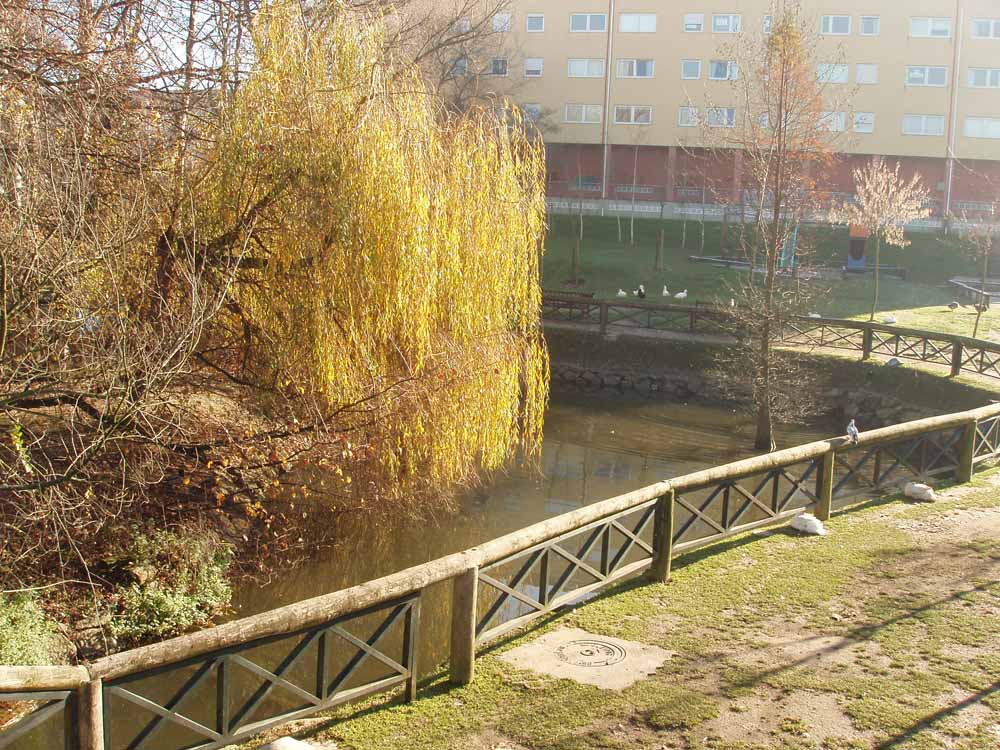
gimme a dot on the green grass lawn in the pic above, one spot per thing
(608, 265)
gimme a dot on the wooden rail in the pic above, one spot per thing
(496, 587)
(958, 353)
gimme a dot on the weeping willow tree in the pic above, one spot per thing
(388, 252)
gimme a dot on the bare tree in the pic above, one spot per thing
(786, 129)
(884, 204)
(980, 240)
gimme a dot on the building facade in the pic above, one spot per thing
(616, 85)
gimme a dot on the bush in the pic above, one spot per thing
(181, 585)
(26, 634)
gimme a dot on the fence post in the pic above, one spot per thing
(824, 494)
(957, 352)
(866, 343)
(967, 452)
(462, 664)
(604, 318)
(663, 538)
(90, 713)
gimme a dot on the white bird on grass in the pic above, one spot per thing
(622, 293)
(815, 315)
(807, 523)
(918, 491)
(852, 432)
(889, 320)
(640, 292)
(894, 362)
(953, 306)
(681, 295)
(666, 292)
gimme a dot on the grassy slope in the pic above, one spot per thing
(925, 678)
(920, 301)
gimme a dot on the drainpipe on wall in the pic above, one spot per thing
(605, 146)
(953, 119)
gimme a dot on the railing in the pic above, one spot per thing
(496, 587)
(959, 353)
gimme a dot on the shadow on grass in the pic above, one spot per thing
(928, 721)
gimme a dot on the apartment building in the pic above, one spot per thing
(616, 87)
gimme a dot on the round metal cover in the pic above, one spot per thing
(590, 653)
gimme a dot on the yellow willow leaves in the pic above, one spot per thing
(401, 246)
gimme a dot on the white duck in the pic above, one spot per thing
(807, 523)
(815, 315)
(666, 292)
(622, 293)
(918, 491)
(889, 320)
(681, 295)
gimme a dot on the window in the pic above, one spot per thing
(588, 183)
(583, 113)
(634, 68)
(637, 189)
(533, 67)
(982, 127)
(497, 67)
(923, 124)
(766, 23)
(986, 28)
(721, 117)
(690, 70)
(637, 23)
(687, 117)
(460, 67)
(727, 23)
(924, 26)
(586, 68)
(462, 26)
(501, 22)
(833, 122)
(833, 73)
(867, 74)
(723, 70)
(926, 75)
(836, 25)
(864, 122)
(532, 112)
(984, 78)
(633, 114)
(535, 22)
(694, 22)
(588, 22)
(870, 25)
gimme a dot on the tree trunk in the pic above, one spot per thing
(576, 263)
(878, 248)
(982, 286)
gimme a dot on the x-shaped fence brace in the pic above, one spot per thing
(983, 361)
(552, 591)
(730, 514)
(571, 310)
(54, 702)
(987, 439)
(230, 726)
(920, 455)
(823, 335)
(911, 347)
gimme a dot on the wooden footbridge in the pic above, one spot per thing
(958, 353)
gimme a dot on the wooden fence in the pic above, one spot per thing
(959, 353)
(496, 587)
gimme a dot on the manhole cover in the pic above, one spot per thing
(590, 653)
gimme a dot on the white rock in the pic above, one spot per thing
(808, 524)
(922, 492)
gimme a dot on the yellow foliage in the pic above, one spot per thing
(401, 246)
